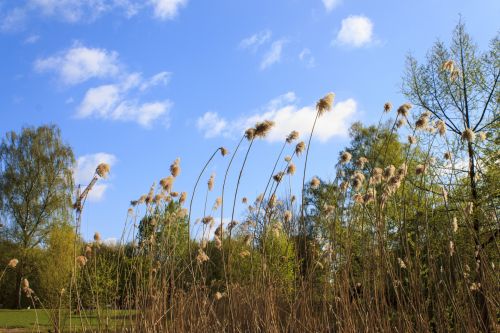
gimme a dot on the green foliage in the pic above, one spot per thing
(56, 265)
(35, 182)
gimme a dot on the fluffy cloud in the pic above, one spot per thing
(75, 11)
(85, 169)
(80, 63)
(256, 40)
(13, 20)
(32, 39)
(211, 124)
(288, 116)
(273, 55)
(356, 31)
(117, 101)
(331, 4)
(71, 10)
(167, 9)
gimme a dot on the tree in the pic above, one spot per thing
(458, 86)
(36, 185)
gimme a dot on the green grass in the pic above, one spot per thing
(27, 319)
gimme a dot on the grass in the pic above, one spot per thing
(25, 320)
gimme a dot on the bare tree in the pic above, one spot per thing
(459, 86)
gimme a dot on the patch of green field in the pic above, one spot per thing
(26, 320)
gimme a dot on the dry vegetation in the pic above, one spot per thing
(403, 239)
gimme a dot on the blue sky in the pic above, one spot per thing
(140, 83)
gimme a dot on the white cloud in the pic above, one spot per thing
(331, 4)
(71, 10)
(167, 9)
(288, 116)
(85, 169)
(256, 40)
(273, 55)
(307, 58)
(32, 39)
(211, 124)
(157, 79)
(80, 63)
(99, 100)
(116, 101)
(356, 31)
(13, 20)
(77, 11)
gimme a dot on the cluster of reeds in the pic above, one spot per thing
(384, 246)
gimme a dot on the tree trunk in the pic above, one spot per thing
(479, 295)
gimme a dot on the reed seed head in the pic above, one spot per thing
(412, 139)
(175, 168)
(455, 75)
(299, 148)
(360, 163)
(404, 109)
(81, 261)
(207, 220)
(13, 263)
(441, 127)
(345, 157)
(278, 177)
(201, 257)
(387, 107)
(167, 183)
(315, 183)
(468, 135)
(325, 104)
(102, 170)
(287, 216)
(88, 250)
(223, 151)
(272, 201)
(451, 247)
(481, 136)
(183, 197)
(250, 134)
(422, 122)
(389, 171)
(291, 169)
(420, 169)
(218, 202)
(454, 224)
(402, 170)
(370, 195)
(211, 182)
(218, 242)
(263, 128)
(448, 66)
(358, 198)
(294, 135)
(97, 237)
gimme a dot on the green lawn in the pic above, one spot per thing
(26, 320)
